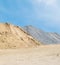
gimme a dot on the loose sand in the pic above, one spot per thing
(43, 55)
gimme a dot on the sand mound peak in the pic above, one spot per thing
(14, 37)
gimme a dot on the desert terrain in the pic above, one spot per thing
(19, 48)
(42, 55)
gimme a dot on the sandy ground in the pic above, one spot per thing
(43, 55)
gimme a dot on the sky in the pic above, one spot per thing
(43, 14)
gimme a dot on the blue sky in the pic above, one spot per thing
(44, 14)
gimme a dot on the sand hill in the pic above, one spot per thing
(14, 37)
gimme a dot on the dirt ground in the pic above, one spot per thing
(43, 55)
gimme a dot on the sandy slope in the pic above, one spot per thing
(14, 37)
(43, 55)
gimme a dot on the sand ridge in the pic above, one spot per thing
(14, 37)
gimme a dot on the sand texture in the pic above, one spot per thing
(43, 55)
(14, 37)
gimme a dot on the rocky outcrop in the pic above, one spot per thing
(42, 36)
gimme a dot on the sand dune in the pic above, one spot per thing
(14, 37)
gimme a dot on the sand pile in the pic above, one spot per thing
(14, 37)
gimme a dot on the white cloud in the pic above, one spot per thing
(47, 10)
(46, 2)
(50, 2)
